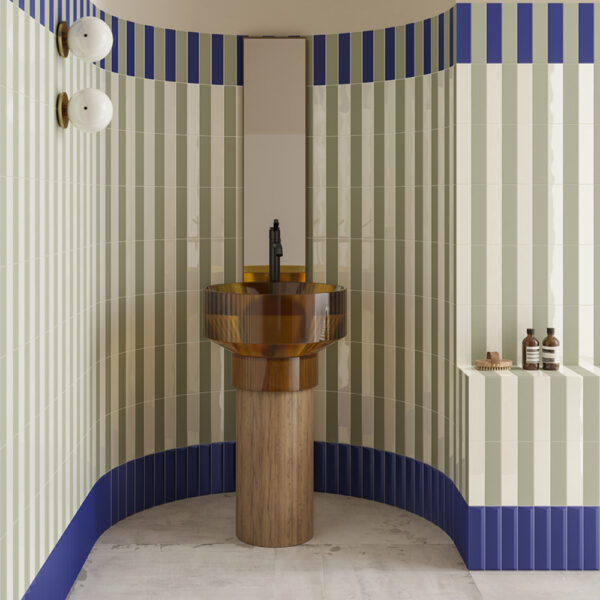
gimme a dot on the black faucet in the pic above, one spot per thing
(275, 251)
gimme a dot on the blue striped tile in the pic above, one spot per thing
(463, 33)
(379, 475)
(344, 469)
(427, 46)
(493, 537)
(102, 18)
(170, 55)
(356, 471)
(331, 468)
(193, 468)
(319, 75)
(204, 469)
(217, 59)
(367, 56)
(427, 491)
(115, 47)
(181, 474)
(574, 538)
(494, 32)
(229, 467)
(88, 11)
(435, 496)
(542, 537)
(509, 538)
(319, 466)
(390, 52)
(390, 478)
(586, 32)
(74, 10)
(114, 496)
(591, 537)
(170, 467)
(558, 535)
(122, 474)
(474, 539)
(451, 41)
(526, 542)
(240, 59)
(159, 478)
(149, 481)
(409, 484)
(344, 57)
(409, 50)
(555, 32)
(149, 52)
(400, 481)
(193, 57)
(441, 42)
(442, 500)
(130, 48)
(32, 8)
(67, 12)
(419, 507)
(524, 33)
(216, 468)
(43, 13)
(22, 5)
(367, 473)
(130, 506)
(139, 484)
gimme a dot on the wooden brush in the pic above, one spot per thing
(493, 362)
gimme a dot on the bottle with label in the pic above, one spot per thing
(531, 351)
(550, 351)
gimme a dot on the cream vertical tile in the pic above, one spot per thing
(320, 402)
(344, 404)
(574, 430)
(170, 88)
(389, 103)
(217, 399)
(476, 383)
(217, 161)
(509, 439)
(476, 473)
(541, 437)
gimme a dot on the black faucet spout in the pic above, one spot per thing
(275, 251)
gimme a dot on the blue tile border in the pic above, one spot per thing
(490, 537)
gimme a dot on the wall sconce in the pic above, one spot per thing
(89, 110)
(89, 38)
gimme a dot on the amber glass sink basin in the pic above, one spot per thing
(274, 320)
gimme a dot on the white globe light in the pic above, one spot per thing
(90, 39)
(90, 110)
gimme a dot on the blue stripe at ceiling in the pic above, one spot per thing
(427, 46)
(555, 33)
(59, 16)
(524, 33)
(115, 48)
(170, 55)
(367, 56)
(390, 53)
(440, 42)
(74, 11)
(67, 12)
(319, 60)
(463, 33)
(586, 33)
(42, 14)
(217, 59)
(409, 42)
(130, 48)
(32, 8)
(149, 52)
(193, 57)
(344, 57)
(240, 59)
(494, 32)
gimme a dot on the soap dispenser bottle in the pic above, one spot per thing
(531, 352)
(551, 351)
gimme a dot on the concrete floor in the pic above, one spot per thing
(361, 550)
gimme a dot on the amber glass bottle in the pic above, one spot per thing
(531, 351)
(551, 351)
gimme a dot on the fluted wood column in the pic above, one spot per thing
(274, 450)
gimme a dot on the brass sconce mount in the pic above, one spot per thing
(62, 103)
(62, 31)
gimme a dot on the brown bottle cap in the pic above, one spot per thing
(550, 330)
(530, 331)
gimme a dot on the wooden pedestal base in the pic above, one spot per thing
(274, 467)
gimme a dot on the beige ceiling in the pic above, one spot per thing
(274, 17)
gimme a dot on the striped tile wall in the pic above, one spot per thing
(528, 145)
(49, 311)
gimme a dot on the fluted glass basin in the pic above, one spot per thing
(274, 320)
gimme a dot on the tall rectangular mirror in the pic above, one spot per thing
(274, 149)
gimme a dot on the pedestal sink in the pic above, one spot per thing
(274, 331)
